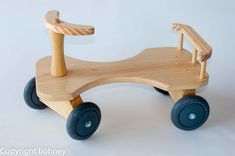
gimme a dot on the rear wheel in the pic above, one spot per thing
(190, 112)
(30, 96)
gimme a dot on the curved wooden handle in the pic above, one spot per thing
(53, 23)
(203, 49)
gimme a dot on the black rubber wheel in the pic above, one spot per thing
(161, 91)
(190, 112)
(30, 96)
(83, 121)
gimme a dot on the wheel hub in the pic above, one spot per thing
(192, 116)
(88, 124)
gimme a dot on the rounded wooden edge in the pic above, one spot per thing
(105, 81)
(53, 23)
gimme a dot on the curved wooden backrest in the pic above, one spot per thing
(200, 45)
(53, 23)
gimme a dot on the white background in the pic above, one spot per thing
(135, 118)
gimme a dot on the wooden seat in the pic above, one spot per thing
(166, 68)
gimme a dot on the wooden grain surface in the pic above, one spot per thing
(166, 68)
(58, 66)
(53, 23)
(63, 107)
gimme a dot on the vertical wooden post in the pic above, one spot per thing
(203, 70)
(58, 67)
(181, 39)
(178, 94)
(194, 56)
(77, 101)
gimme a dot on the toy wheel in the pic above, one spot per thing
(161, 91)
(83, 121)
(190, 112)
(30, 96)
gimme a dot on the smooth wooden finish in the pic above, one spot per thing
(203, 70)
(57, 29)
(194, 56)
(63, 108)
(75, 102)
(178, 94)
(53, 23)
(166, 68)
(172, 69)
(204, 50)
(181, 41)
(58, 67)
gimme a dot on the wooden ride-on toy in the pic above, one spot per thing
(172, 70)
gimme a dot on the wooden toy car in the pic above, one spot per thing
(175, 71)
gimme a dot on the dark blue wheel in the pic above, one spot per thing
(190, 112)
(161, 91)
(83, 121)
(30, 96)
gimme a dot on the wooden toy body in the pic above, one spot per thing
(172, 69)
(165, 68)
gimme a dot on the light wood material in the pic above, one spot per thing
(203, 70)
(194, 56)
(178, 94)
(57, 29)
(204, 50)
(75, 102)
(63, 108)
(165, 68)
(58, 67)
(53, 23)
(181, 41)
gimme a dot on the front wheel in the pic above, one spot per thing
(83, 121)
(190, 112)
